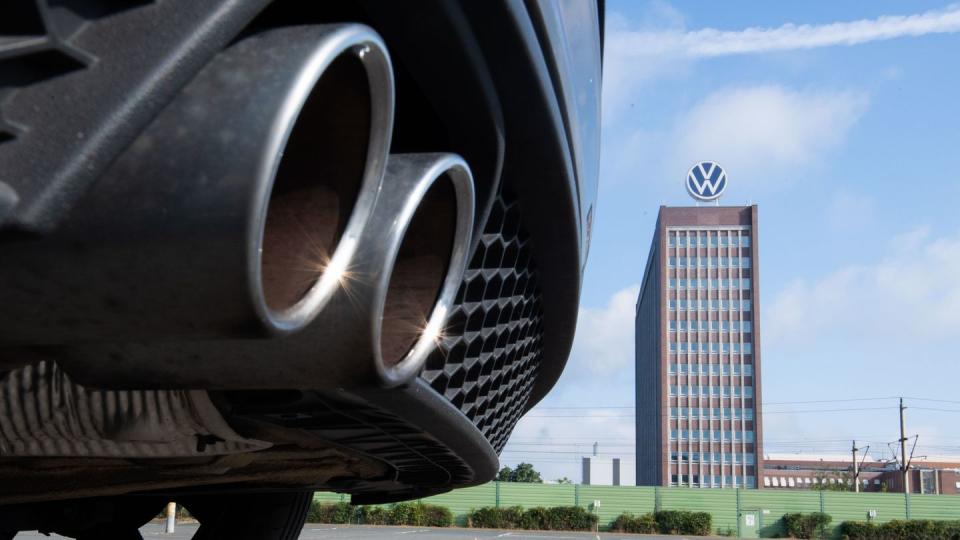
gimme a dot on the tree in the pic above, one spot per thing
(523, 473)
(564, 480)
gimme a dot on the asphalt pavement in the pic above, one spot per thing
(337, 532)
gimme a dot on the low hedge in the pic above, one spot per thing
(415, 514)
(912, 529)
(665, 522)
(629, 523)
(335, 513)
(684, 522)
(556, 518)
(813, 525)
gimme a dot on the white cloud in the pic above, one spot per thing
(660, 46)
(604, 339)
(710, 42)
(754, 130)
(909, 296)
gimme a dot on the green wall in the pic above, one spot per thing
(723, 504)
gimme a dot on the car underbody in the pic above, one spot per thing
(166, 166)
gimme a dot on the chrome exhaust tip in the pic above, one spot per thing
(341, 106)
(232, 213)
(426, 248)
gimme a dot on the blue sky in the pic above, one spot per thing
(840, 120)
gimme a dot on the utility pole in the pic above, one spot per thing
(856, 470)
(903, 452)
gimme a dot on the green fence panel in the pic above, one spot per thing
(615, 500)
(330, 497)
(530, 495)
(721, 504)
(462, 501)
(773, 504)
(938, 507)
(847, 506)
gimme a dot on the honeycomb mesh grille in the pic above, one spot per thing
(492, 348)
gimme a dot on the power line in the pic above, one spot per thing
(794, 411)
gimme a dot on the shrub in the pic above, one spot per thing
(811, 525)
(374, 515)
(536, 519)
(914, 529)
(629, 523)
(437, 516)
(335, 513)
(491, 517)
(404, 514)
(570, 518)
(684, 522)
(557, 518)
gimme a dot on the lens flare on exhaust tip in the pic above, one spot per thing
(331, 150)
(427, 250)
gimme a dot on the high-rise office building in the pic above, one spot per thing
(698, 418)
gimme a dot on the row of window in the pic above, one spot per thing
(774, 481)
(723, 241)
(712, 283)
(712, 369)
(711, 326)
(709, 369)
(711, 305)
(714, 391)
(708, 262)
(712, 457)
(714, 480)
(713, 348)
(711, 412)
(710, 435)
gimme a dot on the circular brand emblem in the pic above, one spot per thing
(706, 181)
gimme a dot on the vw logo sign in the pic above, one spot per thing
(706, 181)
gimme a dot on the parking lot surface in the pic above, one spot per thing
(316, 532)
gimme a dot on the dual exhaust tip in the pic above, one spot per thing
(261, 203)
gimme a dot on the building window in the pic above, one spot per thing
(673, 434)
(671, 262)
(723, 241)
(748, 391)
(745, 241)
(747, 326)
(723, 262)
(673, 305)
(745, 283)
(749, 460)
(745, 305)
(673, 326)
(673, 283)
(748, 414)
(673, 410)
(673, 346)
(673, 367)
(673, 392)
(749, 435)
(747, 348)
(746, 262)
(683, 304)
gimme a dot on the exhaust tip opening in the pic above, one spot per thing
(317, 184)
(418, 282)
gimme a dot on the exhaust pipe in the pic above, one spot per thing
(385, 315)
(232, 214)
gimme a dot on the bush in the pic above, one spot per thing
(914, 529)
(570, 518)
(334, 513)
(437, 516)
(812, 525)
(557, 518)
(490, 517)
(629, 523)
(684, 522)
(374, 515)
